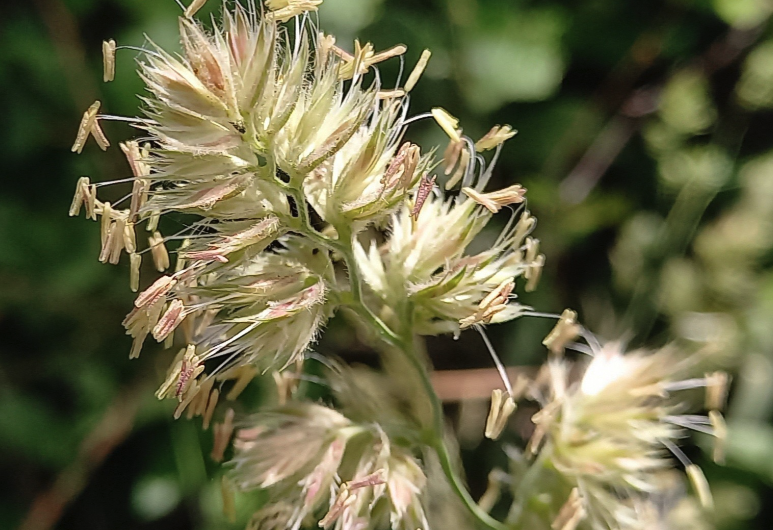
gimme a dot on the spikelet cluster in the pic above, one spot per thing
(253, 118)
(328, 469)
(609, 432)
(424, 262)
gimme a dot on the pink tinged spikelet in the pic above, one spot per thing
(324, 472)
(396, 164)
(334, 142)
(207, 198)
(201, 55)
(402, 167)
(264, 230)
(374, 479)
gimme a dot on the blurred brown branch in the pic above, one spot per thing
(460, 385)
(112, 429)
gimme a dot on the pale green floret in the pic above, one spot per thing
(424, 261)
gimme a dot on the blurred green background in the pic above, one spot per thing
(646, 144)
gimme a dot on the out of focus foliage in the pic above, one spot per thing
(646, 145)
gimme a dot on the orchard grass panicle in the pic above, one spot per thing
(285, 159)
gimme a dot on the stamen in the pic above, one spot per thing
(451, 157)
(117, 240)
(159, 252)
(108, 60)
(501, 408)
(720, 435)
(129, 238)
(199, 405)
(190, 393)
(158, 289)
(701, 486)
(81, 192)
(495, 137)
(533, 273)
(447, 122)
(105, 224)
(495, 200)
(565, 330)
(716, 390)
(85, 127)
(246, 374)
(210, 410)
(223, 432)
(493, 491)
(169, 321)
(374, 479)
(417, 71)
(135, 260)
(461, 169)
(390, 94)
(492, 303)
(284, 10)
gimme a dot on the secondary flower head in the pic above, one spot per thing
(329, 469)
(258, 309)
(609, 433)
(424, 261)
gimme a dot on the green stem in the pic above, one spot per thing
(435, 438)
(524, 488)
(461, 491)
(356, 302)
